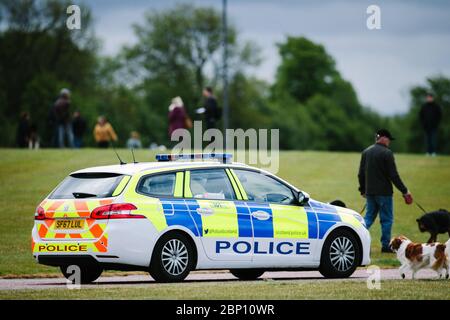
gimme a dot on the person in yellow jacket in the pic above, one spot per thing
(104, 133)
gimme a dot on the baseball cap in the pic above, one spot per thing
(385, 133)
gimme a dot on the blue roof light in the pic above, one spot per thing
(222, 157)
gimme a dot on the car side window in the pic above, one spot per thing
(211, 184)
(262, 188)
(161, 185)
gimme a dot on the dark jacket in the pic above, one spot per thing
(377, 172)
(61, 110)
(78, 126)
(430, 115)
(212, 112)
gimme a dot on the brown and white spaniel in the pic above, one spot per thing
(416, 256)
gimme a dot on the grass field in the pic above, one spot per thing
(26, 177)
(269, 289)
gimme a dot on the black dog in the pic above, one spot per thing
(338, 203)
(435, 222)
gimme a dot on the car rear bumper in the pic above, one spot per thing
(57, 260)
(129, 242)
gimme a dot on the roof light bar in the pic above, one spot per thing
(222, 157)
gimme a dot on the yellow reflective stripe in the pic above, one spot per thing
(289, 222)
(121, 186)
(351, 220)
(92, 205)
(152, 209)
(241, 188)
(187, 184)
(233, 183)
(87, 234)
(178, 193)
(47, 205)
(223, 220)
(130, 192)
(50, 234)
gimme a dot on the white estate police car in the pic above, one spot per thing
(170, 217)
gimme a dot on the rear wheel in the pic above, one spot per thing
(340, 255)
(172, 259)
(88, 273)
(247, 274)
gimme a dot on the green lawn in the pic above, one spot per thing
(292, 289)
(26, 177)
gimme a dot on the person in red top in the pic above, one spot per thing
(178, 117)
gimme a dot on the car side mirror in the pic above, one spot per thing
(302, 198)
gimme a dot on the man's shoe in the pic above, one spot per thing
(387, 250)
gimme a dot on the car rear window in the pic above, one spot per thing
(87, 185)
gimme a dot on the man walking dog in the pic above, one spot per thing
(377, 172)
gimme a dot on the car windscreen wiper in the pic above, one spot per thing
(83, 195)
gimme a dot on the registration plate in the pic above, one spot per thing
(69, 224)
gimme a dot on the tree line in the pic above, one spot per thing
(177, 53)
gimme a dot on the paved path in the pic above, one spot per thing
(199, 276)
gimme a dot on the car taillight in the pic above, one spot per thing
(39, 214)
(116, 211)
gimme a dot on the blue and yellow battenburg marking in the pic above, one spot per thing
(234, 219)
(327, 216)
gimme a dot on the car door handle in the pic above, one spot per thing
(261, 215)
(205, 211)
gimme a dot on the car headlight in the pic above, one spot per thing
(360, 218)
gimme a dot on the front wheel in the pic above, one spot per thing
(87, 274)
(247, 274)
(172, 259)
(340, 255)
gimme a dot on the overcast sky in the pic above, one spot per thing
(413, 43)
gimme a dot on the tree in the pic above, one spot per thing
(306, 69)
(317, 108)
(249, 102)
(39, 55)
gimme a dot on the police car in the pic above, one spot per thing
(191, 212)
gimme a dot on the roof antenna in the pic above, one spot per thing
(120, 160)
(132, 152)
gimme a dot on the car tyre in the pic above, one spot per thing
(247, 274)
(88, 273)
(341, 254)
(172, 259)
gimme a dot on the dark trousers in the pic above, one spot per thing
(103, 144)
(431, 140)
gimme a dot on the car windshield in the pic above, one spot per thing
(87, 185)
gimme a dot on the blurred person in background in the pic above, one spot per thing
(61, 115)
(210, 108)
(430, 117)
(23, 130)
(178, 118)
(34, 141)
(104, 133)
(79, 129)
(134, 142)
